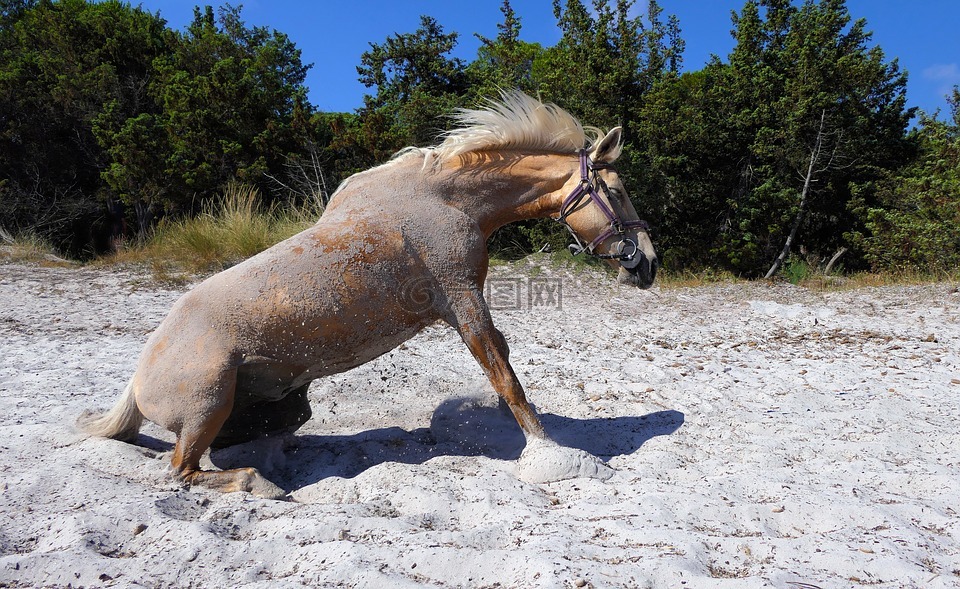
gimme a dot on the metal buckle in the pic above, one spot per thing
(620, 248)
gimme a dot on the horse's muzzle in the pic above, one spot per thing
(642, 275)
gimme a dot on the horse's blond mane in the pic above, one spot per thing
(515, 122)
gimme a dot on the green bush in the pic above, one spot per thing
(916, 226)
(797, 271)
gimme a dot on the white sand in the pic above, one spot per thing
(762, 436)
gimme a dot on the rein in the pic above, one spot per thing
(589, 180)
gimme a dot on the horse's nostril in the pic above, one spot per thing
(646, 270)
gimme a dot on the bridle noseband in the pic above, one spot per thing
(589, 180)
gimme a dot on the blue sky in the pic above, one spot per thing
(923, 35)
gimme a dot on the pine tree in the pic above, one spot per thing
(416, 86)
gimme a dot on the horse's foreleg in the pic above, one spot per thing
(489, 347)
(542, 460)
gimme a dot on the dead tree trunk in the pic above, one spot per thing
(804, 198)
(833, 260)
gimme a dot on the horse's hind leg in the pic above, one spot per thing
(197, 432)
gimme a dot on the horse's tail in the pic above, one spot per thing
(122, 422)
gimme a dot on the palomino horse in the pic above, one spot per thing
(235, 356)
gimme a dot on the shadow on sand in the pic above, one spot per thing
(458, 427)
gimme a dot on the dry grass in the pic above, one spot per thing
(876, 279)
(29, 248)
(688, 279)
(810, 279)
(814, 281)
(229, 230)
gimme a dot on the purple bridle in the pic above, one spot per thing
(587, 188)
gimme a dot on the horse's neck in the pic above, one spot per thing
(501, 191)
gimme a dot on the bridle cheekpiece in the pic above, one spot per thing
(626, 249)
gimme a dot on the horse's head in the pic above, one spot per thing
(599, 214)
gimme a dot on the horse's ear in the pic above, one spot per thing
(608, 149)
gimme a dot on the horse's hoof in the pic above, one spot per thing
(544, 461)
